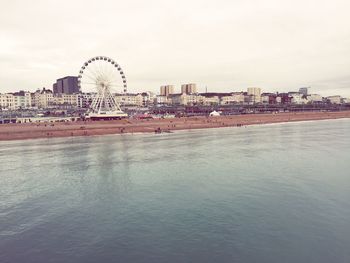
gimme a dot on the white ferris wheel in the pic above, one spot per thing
(102, 76)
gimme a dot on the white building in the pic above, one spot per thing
(334, 99)
(298, 98)
(314, 98)
(346, 100)
(7, 101)
(129, 99)
(42, 98)
(163, 100)
(255, 93)
(15, 101)
(148, 98)
(66, 99)
(210, 100)
(233, 98)
(187, 99)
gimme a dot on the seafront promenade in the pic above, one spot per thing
(88, 128)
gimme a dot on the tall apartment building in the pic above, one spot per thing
(189, 88)
(166, 90)
(66, 85)
(255, 93)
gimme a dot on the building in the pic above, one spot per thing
(210, 98)
(346, 100)
(7, 101)
(43, 99)
(166, 90)
(185, 99)
(314, 98)
(334, 99)
(231, 98)
(283, 98)
(304, 91)
(22, 100)
(66, 85)
(255, 93)
(268, 98)
(297, 98)
(84, 100)
(189, 88)
(148, 98)
(211, 101)
(177, 99)
(65, 99)
(129, 99)
(16, 100)
(163, 100)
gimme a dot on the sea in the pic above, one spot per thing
(264, 193)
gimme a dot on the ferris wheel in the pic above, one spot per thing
(102, 76)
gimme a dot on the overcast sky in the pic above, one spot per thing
(226, 45)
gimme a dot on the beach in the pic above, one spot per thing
(21, 131)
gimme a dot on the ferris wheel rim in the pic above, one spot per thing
(106, 59)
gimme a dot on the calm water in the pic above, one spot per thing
(273, 193)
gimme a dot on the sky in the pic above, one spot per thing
(222, 45)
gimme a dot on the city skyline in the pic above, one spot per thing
(223, 46)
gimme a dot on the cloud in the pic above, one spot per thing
(225, 45)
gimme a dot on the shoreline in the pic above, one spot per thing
(24, 131)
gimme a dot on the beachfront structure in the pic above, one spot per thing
(346, 100)
(206, 99)
(102, 75)
(47, 99)
(304, 90)
(7, 101)
(195, 99)
(43, 98)
(334, 99)
(268, 98)
(14, 101)
(84, 100)
(166, 90)
(66, 85)
(66, 99)
(190, 88)
(135, 99)
(255, 93)
(283, 98)
(297, 98)
(163, 100)
(22, 100)
(129, 99)
(210, 98)
(148, 98)
(232, 98)
(183, 99)
(314, 98)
